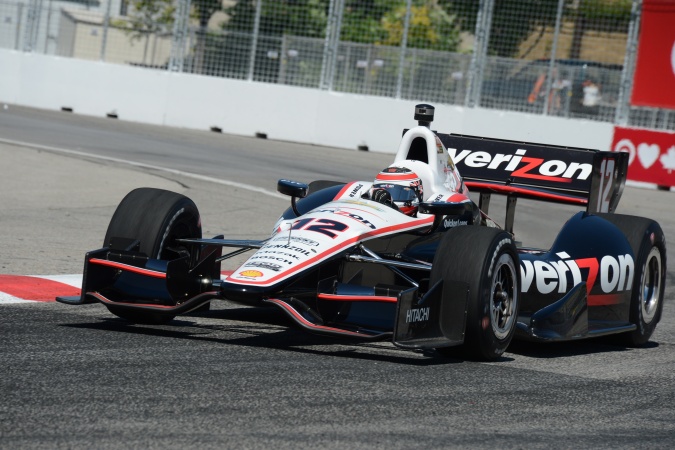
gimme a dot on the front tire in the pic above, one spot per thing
(487, 260)
(157, 218)
(648, 242)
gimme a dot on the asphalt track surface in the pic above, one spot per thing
(77, 377)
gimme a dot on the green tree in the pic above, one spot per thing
(364, 21)
(431, 27)
(513, 21)
(296, 17)
(151, 17)
(598, 15)
(146, 18)
(229, 53)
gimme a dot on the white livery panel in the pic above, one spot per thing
(318, 235)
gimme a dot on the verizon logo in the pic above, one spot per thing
(615, 273)
(522, 166)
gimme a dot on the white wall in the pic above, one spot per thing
(245, 108)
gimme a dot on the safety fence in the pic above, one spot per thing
(567, 58)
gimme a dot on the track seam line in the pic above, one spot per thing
(194, 176)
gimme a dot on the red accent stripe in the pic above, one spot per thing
(533, 192)
(604, 299)
(127, 267)
(355, 298)
(456, 198)
(34, 288)
(309, 324)
(104, 299)
(396, 176)
(344, 189)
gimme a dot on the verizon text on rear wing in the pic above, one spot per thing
(544, 172)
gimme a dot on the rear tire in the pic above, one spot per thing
(487, 260)
(648, 242)
(156, 218)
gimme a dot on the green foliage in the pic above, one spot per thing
(605, 14)
(296, 17)
(431, 27)
(513, 21)
(364, 21)
(204, 9)
(148, 16)
(157, 16)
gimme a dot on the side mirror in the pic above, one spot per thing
(292, 188)
(295, 189)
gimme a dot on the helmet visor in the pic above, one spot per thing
(398, 193)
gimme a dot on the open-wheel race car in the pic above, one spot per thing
(409, 256)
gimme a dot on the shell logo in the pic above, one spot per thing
(251, 273)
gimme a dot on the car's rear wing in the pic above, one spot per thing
(544, 172)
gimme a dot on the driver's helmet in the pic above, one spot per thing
(404, 188)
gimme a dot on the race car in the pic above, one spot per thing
(408, 256)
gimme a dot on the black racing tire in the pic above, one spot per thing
(648, 242)
(156, 218)
(487, 260)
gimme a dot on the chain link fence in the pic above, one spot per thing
(567, 58)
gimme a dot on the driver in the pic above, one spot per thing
(400, 188)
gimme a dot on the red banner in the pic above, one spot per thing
(654, 81)
(652, 154)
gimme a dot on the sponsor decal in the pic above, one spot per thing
(439, 146)
(299, 240)
(340, 212)
(450, 164)
(615, 272)
(355, 190)
(270, 252)
(292, 248)
(272, 258)
(494, 255)
(360, 219)
(533, 168)
(251, 273)
(263, 265)
(450, 223)
(651, 154)
(417, 315)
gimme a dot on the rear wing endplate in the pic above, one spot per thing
(552, 173)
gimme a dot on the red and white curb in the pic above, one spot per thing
(37, 288)
(42, 288)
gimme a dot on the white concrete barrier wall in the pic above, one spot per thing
(244, 108)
